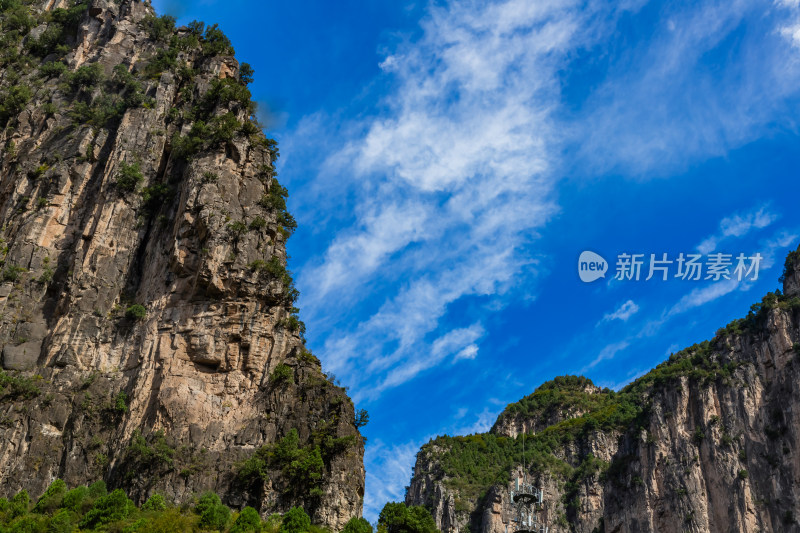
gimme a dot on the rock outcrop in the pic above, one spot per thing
(147, 325)
(707, 441)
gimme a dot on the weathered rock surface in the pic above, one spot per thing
(196, 245)
(715, 447)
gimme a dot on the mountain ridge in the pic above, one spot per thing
(693, 445)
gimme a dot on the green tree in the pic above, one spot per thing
(206, 501)
(215, 42)
(247, 521)
(362, 418)
(215, 517)
(295, 521)
(246, 73)
(156, 502)
(74, 499)
(20, 504)
(61, 522)
(109, 508)
(136, 312)
(357, 525)
(213, 514)
(159, 28)
(397, 518)
(86, 77)
(52, 498)
(301, 467)
(13, 101)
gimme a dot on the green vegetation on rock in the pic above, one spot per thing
(397, 518)
(93, 508)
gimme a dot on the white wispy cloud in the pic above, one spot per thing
(450, 186)
(702, 295)
(623, 312)
(607, 353)
(662, 106)
(737, 225)
(791, 29)
(480, 422)
(388, 469)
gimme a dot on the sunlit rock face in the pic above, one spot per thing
(142, 325)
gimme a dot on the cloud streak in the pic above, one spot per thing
(623, 312)
(451, 185)
(453, 177)
(685, 95)
(388, 472)
(737, 226)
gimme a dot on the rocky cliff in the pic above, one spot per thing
(147, 325)
(707, 441)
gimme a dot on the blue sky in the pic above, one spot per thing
(449, 161)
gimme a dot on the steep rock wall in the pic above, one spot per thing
(174, 400)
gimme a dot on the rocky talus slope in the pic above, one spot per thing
(147, 325)
(707, 441)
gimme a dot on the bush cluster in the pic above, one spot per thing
(129, 177)
(61, 27)
(398, 518)
(94, 508)
(300, 467)
(13, 101)
(13, 387)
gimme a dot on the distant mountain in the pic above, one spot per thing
(706, 441)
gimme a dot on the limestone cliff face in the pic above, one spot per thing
(146, 319)
(713, 445)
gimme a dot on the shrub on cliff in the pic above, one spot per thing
(301, 467)
(362, 418)
(158, 28)
(17, 387)
(63, 23)
(788, 264)
(215, 42)
(135, 312)
(282, 374)
(86, 77)
(152, 451)
(129, 176)
(225, 93)
(13, 101)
